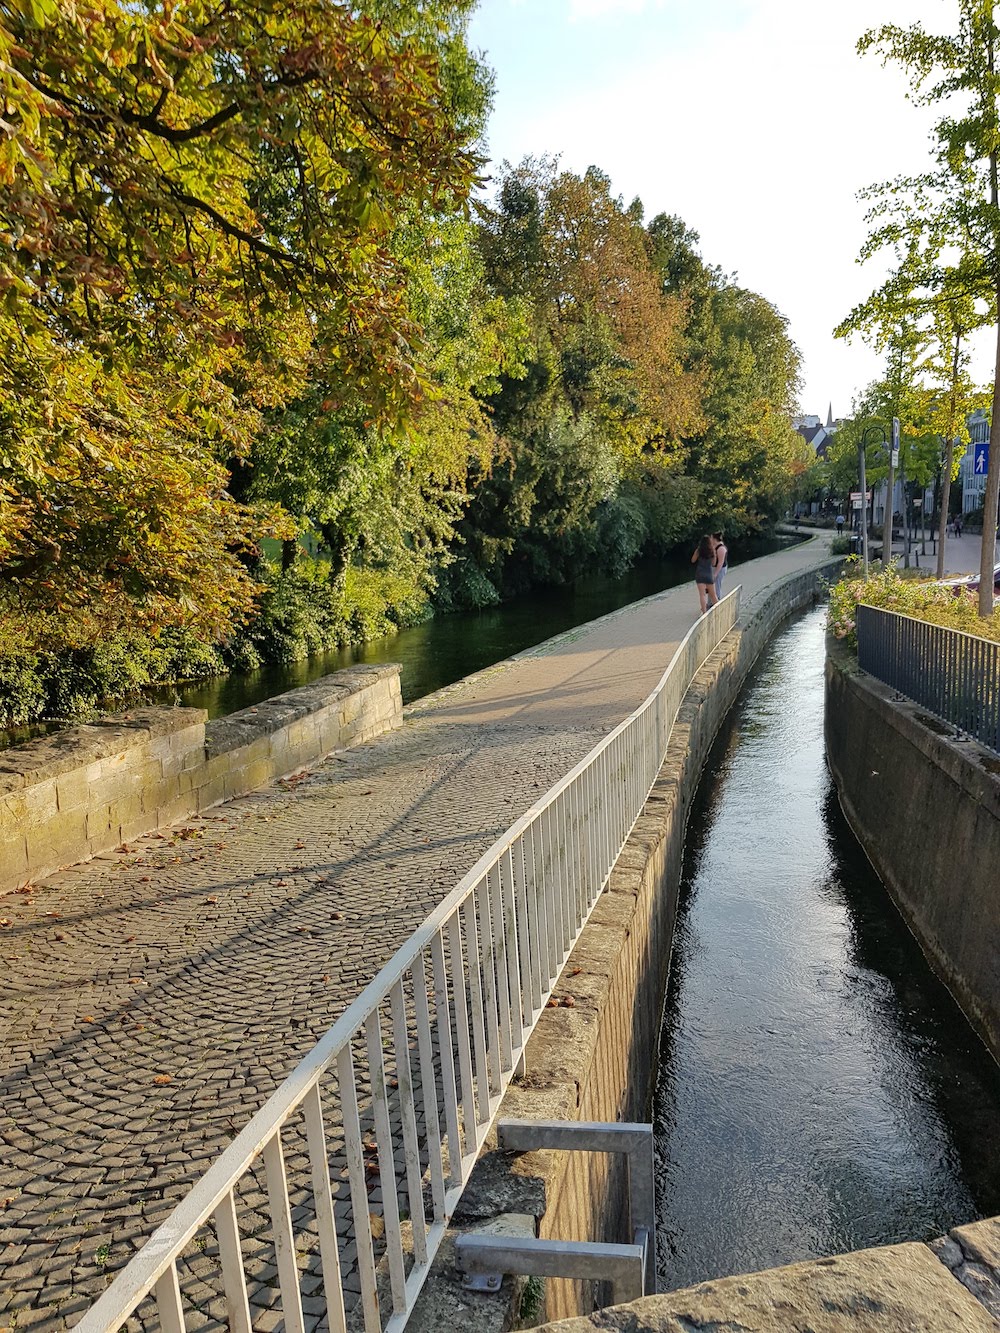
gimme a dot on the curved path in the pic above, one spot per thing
(152, 998)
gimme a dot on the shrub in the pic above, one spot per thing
(462, 586)
(936, 603)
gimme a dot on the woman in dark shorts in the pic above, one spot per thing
(704, 573)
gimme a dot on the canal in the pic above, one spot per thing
(448, 647)
(818, 1089)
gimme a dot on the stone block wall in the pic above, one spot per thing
(84, 790)
(926, 807)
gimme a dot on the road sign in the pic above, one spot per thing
(981, 459)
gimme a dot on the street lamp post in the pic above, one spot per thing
(864, 499)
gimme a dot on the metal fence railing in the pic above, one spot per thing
(330, 1204)
(953, 675)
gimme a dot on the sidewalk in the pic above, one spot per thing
(961, 554)
(152, 998)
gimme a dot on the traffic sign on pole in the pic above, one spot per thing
(981, 459)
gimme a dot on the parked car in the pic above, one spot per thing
(970, 583)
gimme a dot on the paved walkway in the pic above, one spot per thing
(152, 998)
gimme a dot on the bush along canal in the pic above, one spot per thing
(818, 1089)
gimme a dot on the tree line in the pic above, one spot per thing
(284, 364)
(940, 231)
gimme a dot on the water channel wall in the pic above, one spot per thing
(593, 1055)
(85, 790)
(926, 807)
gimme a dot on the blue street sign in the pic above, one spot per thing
(981, 459)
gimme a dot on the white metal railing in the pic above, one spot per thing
(393, 1103)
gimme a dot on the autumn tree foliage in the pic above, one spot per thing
(196, 210)
(275, 373)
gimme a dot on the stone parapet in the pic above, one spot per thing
(84, 790)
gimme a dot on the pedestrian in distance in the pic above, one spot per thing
(703, 560)
(840, 524)
(958, 525)
(721, 562)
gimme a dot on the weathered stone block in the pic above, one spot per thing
(56, 842)
(173, 811)
(103, 826)
(897, 1289)
(40, 802)
(14, 859)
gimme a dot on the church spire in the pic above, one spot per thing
(829, 416)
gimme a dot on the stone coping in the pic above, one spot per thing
(227, 733)
(73, 747)
(908, 1288)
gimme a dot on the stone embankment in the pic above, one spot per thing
(949, 1286)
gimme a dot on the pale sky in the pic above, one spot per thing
(754, 120)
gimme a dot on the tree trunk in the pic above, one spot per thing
(987, 551)
(339, 546)
(945, 504)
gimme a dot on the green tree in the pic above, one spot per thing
(958, 203)
(745, 456)
(196, 210)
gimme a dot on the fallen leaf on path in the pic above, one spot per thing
(162, 1080)
(87, 1018)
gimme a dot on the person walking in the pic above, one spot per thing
(703, 560)
(721, 562)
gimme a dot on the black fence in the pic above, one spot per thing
(953, 675)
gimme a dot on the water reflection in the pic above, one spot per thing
(447, 648)
(818, 1089)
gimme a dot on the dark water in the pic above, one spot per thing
(447, 648)
(819, 1091)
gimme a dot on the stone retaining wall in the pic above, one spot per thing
(84, 790)
(926, 807)
(595, 1059)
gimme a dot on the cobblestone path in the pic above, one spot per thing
(152, 998)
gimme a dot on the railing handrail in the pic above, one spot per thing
(931, 624)
(138, 1278)
(951, 673)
